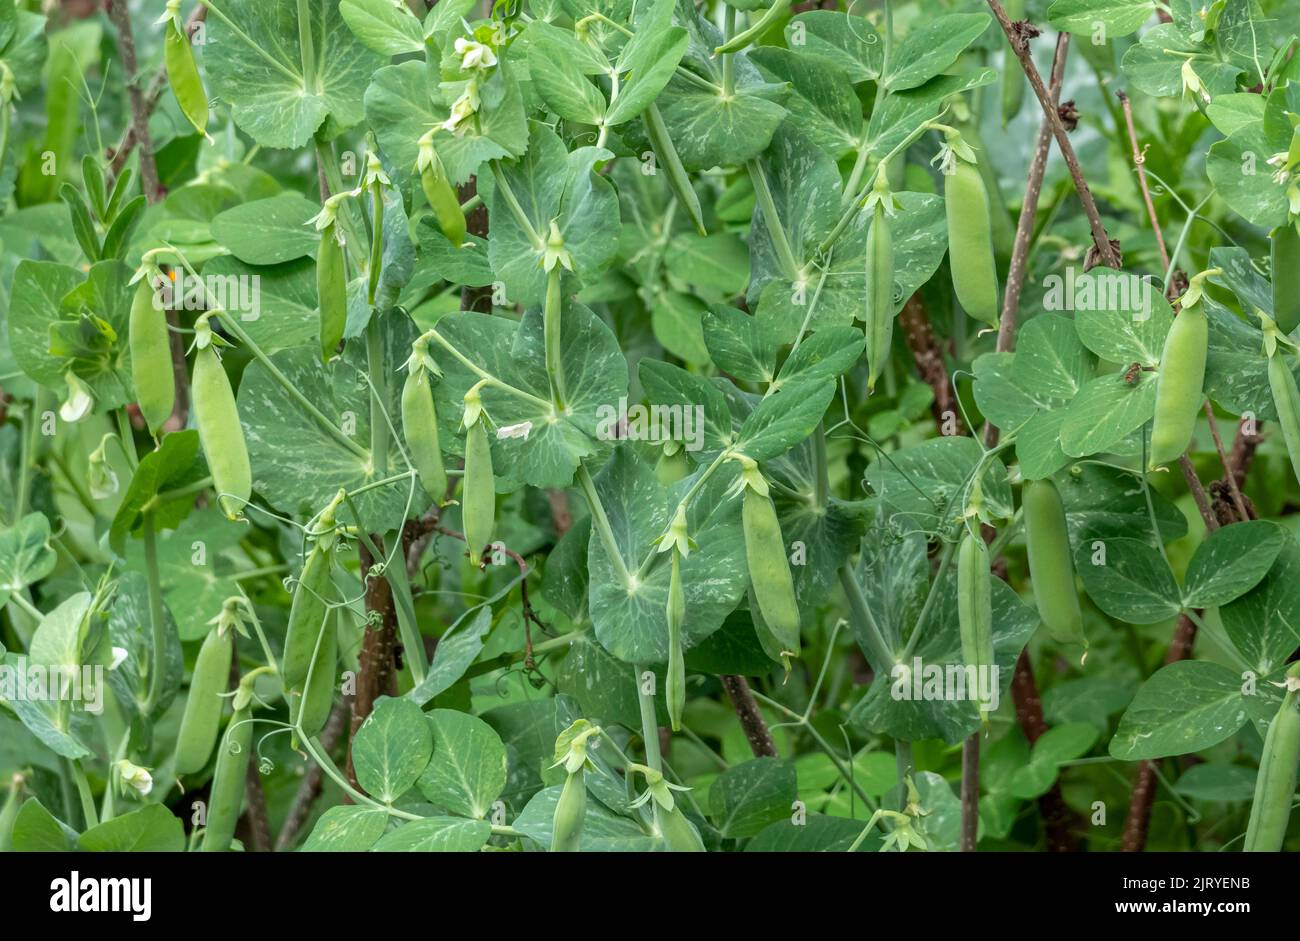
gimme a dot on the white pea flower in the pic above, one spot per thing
(134, 777)
(465, 107)
(119, 657)
(80, 399)
(474, 54)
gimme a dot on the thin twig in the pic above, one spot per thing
(1025, 226)
(929, 362)
(751, 720)
(1017, 34)
(1139, 161)
(121, 18)
(1198, 493)
(970, 793)
(1229, 477)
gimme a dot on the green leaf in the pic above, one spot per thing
(151, 829)
(1264, 623)
(817, 834)
(716, 262)
(1187, 707)
(1084, 17)
(851, 42)
(456, 650)
(383, 27)
(1106, 410)
(391, 749)
(603, 831)
(346, 829)
(742, 345)
(436, 835)
(1217, 781)
(747, 797)
(821, 99)
(253, 59)
(1121, 317)
(650, 58)
(36, 830)
(468, 769)
(174, 464)
(930, 48)
(561, 83)
(783, 419)
(920, 486)
(269, 231)
(1056, 745)
(1231, 561)
(130, 629)
(25, 554)
(1129, 580)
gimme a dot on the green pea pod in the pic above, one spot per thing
(331, 291)
(9, 813)
(970, 242)
(1275, 784)
(570, 813)
(478, 513)
(202, 716)
(675, 685)
(880, 294)
(443, 200)
(1179, 384)
(183, 77)
(1001, 228)
(1013, 77)
(679, 834)
(769, 570)
(307, 615)
(151, 357)
(222, 436)
(666, 151)
(228, 781)
(420, 426)
(671, 468)
(975, 604)
(311, 707)
(1286, 399)
(1051, 566)
(1286, 277)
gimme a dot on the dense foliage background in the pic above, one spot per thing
(891, 268)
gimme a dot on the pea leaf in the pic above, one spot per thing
(391, 749)
(1264, 623)
(268, 231)
(851, 42)
(1106, 410)
(1129, 580)
(25, 554)
(457, 649)
(174, 464)
(130, 629)
(930, 48)
(1117, 17)
(1231, 561)
(468, 769)
(747, 797)
(603, 831)
(1187, 707)
(436, 835)
(151, 829)
(36, 830)
(254, 59)
(346, 829)
(383, 27)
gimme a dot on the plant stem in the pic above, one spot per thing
(604, 530)
(775, 231)
(157, 620)
(551, 331)
(83, 792)
(649, 726)
(868, 628)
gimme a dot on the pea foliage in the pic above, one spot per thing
(557, 425)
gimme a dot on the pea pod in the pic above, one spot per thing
(769, 570)
(151, 356)
(1179, 384)
(1286, 276)
(970, 242)
(570, 813)
(420, 426)
(1286, 399)
(183, 71)
(202, 716)
(228, 780)
(1275, 784)
(331, 290)
(222, 436)
(307, 613)
(478, 512)
(441, 195)
(1051, 566)
(675, 684)
(310, 707)
(666, 150)
(975, 604)
(880, 291)
(679, 834)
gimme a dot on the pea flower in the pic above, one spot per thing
(555, 253)
(474, 54)
(103, 479)
(464, 108)
(657, 788)
(571, 748)
(132, 777)
(677, 536)
(80, 399)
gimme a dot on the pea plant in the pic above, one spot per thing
(623, 425)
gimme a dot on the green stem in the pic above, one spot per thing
(376, 243)
(822, 477)
(903, 766)
(271, 60)
(83, 791)
(307, 44)
(728, 58)
(600, 520)
(741, 40)
(378, 388)
(662, 144)
(127, 436)
(649, 726)
(775, 231)
(157, 622)
(868, 628)
(516, 210)
(483, 374)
